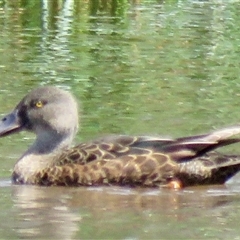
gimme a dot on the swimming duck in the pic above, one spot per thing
(52, 114)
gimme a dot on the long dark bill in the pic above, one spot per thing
(10, 124)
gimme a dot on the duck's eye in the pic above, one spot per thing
(39, 104)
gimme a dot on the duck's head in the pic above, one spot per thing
(49, 112)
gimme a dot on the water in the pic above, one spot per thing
(136, 67)
(32, 212)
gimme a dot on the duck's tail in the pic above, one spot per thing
(211, 168)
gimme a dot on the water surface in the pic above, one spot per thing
(136, 67)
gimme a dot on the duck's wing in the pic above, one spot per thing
(200, 144)
(180, 149)
(111, 147)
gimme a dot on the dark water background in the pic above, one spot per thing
(137, 67)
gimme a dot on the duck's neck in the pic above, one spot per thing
(49, 142)
(42, 154)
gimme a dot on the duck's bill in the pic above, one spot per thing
(10, 124)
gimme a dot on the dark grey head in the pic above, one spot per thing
(49, 112)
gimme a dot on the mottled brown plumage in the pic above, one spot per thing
(51, 114)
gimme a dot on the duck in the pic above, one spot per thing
(51, 113)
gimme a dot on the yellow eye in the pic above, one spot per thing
(39, 104)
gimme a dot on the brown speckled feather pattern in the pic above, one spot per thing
(144, 161)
